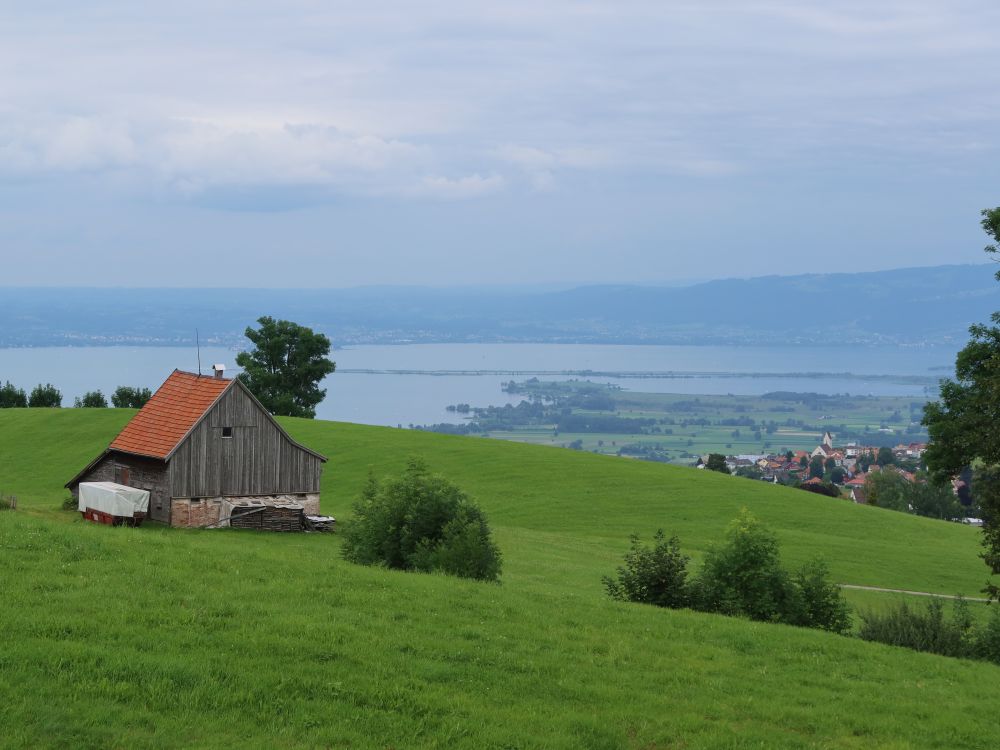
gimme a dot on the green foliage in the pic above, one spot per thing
(420, 521)
(656, 575)
(926, 630)
(934, 501)
(12, 397)
(991, 225)
(285, 367)
(825, 488)
(816, 469)
(743, 576)
(717, 462)
(127, 397)
(887, 489)
(817, 602)
(91, 400)
(45, 396)
(885, 456)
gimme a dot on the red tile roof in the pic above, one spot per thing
(168, 416)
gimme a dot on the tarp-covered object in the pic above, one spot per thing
(113, 499)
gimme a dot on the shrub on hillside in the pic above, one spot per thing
(816, 601)
(127, 397)
(656, 575)
(921, 631)
(12, 397)
(420, 521)
(929, 630)
(45, 396)
(742, 577)
(91, 400)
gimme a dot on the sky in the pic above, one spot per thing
(333, 144)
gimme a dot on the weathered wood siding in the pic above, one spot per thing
(259, 459)
(143, 473)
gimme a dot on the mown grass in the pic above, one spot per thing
(154, 637)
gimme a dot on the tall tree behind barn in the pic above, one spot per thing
(201, 441)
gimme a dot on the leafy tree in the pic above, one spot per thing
(45, 396)
(962, 423)
(934, 501)
(285, 367)
(836, 475)
(656, 575)
(12, 397)
(717, 462)
(885, 456)
(816, 468)
(127, 397)
(91, 400)
(422, 522)
(887, 489)
(743, 576)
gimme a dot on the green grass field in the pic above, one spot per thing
(155, 637)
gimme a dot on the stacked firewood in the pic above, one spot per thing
(282, 518)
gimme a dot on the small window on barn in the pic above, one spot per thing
(227, 432)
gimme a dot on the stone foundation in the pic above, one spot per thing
(186, 512)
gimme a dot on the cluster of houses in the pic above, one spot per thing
(856, 461)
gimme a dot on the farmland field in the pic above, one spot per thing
(155, 637)
(677, 427)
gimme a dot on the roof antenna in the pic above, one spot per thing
(197, 343)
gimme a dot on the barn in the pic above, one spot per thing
(203, 444)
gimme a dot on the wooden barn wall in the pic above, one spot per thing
(257, 460)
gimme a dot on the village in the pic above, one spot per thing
(848, 468)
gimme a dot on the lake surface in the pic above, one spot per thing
(368, 388)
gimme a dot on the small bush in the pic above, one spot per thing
(744, 575)
(12, 397)
(921, 631)
(421, 522)
(91, 400)
(127, 397)
(816, 601)
(652, 576)
(45, 396)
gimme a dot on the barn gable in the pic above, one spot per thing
(237, 448)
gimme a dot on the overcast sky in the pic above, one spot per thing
(334, 144)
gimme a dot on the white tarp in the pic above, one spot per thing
(115, 499)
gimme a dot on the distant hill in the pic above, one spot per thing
(903, 306)
(156, 637)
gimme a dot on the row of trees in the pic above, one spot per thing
(47, 396)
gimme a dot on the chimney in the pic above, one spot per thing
(219, 370)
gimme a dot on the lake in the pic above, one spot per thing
(368, 387)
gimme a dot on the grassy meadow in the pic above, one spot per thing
(155, 637)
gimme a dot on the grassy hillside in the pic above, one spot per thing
(157, 637)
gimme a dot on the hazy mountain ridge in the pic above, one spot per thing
(903, 306)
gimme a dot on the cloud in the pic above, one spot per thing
(471, 186)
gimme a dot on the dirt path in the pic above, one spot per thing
(911, 593)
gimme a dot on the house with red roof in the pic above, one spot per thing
(202, 445)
